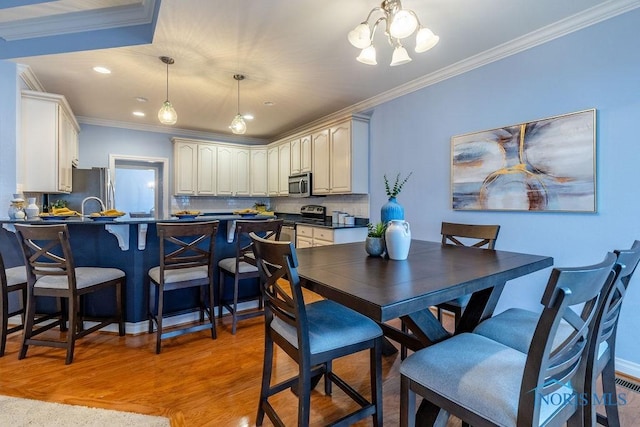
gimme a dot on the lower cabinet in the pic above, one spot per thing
(307, 235)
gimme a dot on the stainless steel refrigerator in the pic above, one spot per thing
(95, 182)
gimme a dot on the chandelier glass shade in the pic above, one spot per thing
(167, 114)
(400, 24)
(238, 125)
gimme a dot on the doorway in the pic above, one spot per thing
(141, 184)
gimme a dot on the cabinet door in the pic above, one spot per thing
(284, 168)
(305, 153)
(320, 161)
(65, 151)
(340, 158)
(206, 170)
(273, 180)
(185, 157)
(241, 183)
(225, 171)
(296, 165)
(258, 172)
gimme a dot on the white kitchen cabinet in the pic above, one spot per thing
(301, 155)
(279, 168)
(225, 171)
(194, 167)
(206, 174)
(340, 158)
(259, 172)
(273, 180)
(49, 138)
(284, 168)
(308, 235)
(241, 184)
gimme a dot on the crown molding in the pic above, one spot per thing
(178, 132)
(76, 22)
(29, 78)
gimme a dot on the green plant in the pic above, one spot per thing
(397, 185)
(59, 204)
(376, 230)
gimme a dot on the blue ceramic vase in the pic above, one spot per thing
(391, 210)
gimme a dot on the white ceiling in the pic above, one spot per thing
(293, 53)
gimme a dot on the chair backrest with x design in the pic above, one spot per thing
(180, 246)
(482, 236)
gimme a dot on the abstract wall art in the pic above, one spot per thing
(542, 165)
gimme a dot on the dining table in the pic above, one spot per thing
(385, 289)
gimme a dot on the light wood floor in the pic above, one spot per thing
(195, 381)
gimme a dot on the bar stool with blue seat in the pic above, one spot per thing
(313, 335)
(186, 261)
(484, 382)
(51, 272)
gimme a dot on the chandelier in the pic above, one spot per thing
(238, 125)
(167, 114)
(400, 24)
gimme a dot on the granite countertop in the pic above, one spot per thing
(298, 220)
(127, 220)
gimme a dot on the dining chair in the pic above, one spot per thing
(242, 267)
(186, 261)
(515, 327)
(13, 279)
(475, 235)
(313, 335)
(51, 272)
(484, 382)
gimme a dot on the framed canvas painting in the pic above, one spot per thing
(542, 165)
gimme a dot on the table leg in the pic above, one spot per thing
(480, 307)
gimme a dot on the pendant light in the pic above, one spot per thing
(167, 114)
(238, 125)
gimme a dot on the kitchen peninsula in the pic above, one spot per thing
(132, 245)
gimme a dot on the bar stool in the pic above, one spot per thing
(51, 272)
(186, 261)
(242, 266)
(11, 280)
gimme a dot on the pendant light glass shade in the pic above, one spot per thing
(400, 56)
(368, 55)
(360, 36)
(167, 114)
(238, 125)
(403, 24)
(425, 40)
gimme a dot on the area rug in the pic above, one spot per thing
(19, 412)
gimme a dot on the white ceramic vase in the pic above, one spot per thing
(32, 210)
(398, 239)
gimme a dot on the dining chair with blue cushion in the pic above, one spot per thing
(313, 335)
(515, 327)
(484, 382)
(12, 279)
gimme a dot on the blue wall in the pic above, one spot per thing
(598, 67)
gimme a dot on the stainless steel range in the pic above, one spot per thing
(309, 214)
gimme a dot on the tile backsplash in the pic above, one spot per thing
(353, 204)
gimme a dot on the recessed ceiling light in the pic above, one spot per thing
(102, 70)
(247, 116)
(269, 103)
(138, 114)
(141, 99)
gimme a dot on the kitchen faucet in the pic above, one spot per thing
(97, 199)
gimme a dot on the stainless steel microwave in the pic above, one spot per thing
(300, 185)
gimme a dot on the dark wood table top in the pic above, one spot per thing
(385, 289)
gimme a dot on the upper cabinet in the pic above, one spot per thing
(301, 155)
(340, 158)
(49, 143)
(337, 154)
